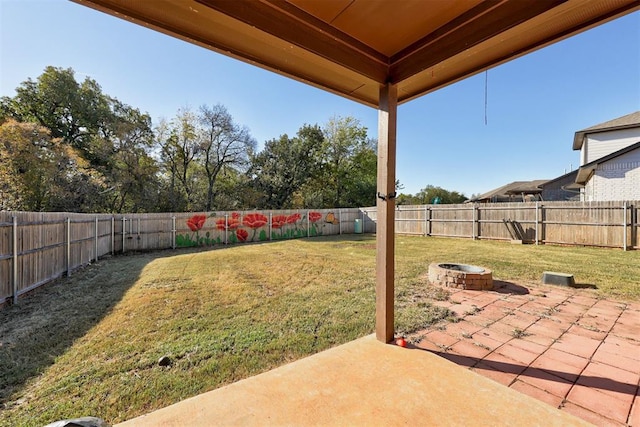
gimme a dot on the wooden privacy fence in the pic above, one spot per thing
(37, 247)
(604, 224)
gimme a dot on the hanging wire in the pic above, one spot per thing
(486, 85)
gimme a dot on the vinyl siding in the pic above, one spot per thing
(602, 144)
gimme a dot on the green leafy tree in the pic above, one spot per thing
(37, 172)
(285, 164)
(130, 172)
(344, 138)
(431, 195)
(359, 187)
(72, 111)
(113, 170)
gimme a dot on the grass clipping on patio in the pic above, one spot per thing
(90, 344)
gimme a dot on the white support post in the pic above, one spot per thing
(308, 232)
(340, 221)
(424, 227)
(173, 232)
(624, 225)
(226, 229)
(68, 246)
(270, 224)
(14, 277)
(124, 234)
(537, 222)
(475, 221)
(96, 242)
(113, 236)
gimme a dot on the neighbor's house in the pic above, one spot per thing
(562, 188)
(609, 160)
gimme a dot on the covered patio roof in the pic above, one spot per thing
(351, 47)
(376, 52)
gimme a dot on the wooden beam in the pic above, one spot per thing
(483, 22)
(287, 22)
(385, 232)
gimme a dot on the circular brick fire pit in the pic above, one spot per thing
(461, 276)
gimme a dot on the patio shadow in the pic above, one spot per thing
(46, 322)
(584, 286)
(544, 374)
(503, 287)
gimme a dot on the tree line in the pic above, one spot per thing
(65, 145)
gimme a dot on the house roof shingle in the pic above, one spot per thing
(624, 122)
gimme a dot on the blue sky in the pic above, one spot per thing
(535, 103)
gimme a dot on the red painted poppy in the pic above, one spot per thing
(255, 220)
(278, 221)
(233, 223)
(314, 216)
(242, 235)
(293, 218)
(196, 222)
(227, 223)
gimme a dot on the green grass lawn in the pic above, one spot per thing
(89, 344)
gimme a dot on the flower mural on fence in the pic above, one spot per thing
(283, 222)
(293, 218)
(242, 235)
(278, 221)
(228, 223)
(255, 221)
(314, 217)
(195, 224)
(232, 228)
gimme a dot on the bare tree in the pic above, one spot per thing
(222, 143)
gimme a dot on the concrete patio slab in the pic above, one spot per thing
(362, 383)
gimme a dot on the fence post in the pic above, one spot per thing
(124, 233)
(226, 229)
(475, 222)
(624, 225)
(270, 224)
(537, 220)
(340, 221)
(308, 232)
(424, 226)
(96, 248)
(15, 260)
(68, 246)
(173, 232)
(113, 235)
(429, 221)
(364, 226)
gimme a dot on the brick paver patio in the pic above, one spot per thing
(560, 345)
